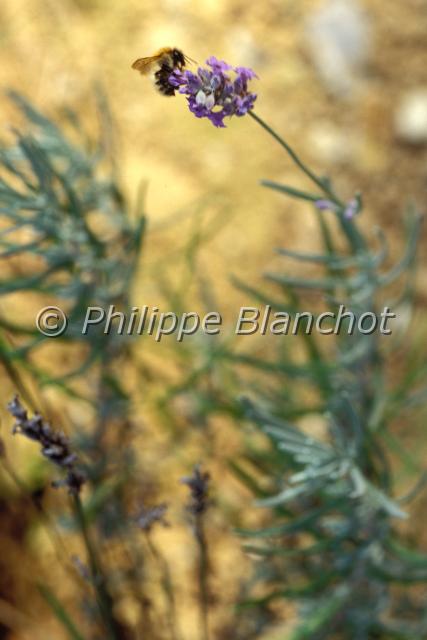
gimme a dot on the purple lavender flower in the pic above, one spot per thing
(213, 93)
(351, 209)
(325, 205)
(198, 484)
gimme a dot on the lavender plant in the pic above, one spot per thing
(330, 543)
(61, 203)
(68, 236)
(98, 575)
(65, 219)
(198, 485)
(333, 545)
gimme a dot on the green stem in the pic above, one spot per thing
(103, 598)
(203, 576)
(318, 181)
(355, 239)
(167, 586)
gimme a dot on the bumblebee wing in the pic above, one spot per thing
(144, 65)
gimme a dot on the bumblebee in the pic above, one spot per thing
(162, 64)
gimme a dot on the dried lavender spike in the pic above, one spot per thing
(149, 516)
(54, 445)
(198, 484)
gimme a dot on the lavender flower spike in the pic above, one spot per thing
(198, 484)
(54, 445)
(214, 93)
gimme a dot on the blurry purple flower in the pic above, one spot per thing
(150, 516)
(352, 209)
(54, 445)
(218, 66)
(215, 94)
(198, 484)
(325, 205)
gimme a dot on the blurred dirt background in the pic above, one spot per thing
(344, 82)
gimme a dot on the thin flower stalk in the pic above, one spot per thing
(198, 485)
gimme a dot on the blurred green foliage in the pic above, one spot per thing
(322, 468)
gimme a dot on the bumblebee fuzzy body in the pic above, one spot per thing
(162, 63)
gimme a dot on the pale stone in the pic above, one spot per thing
(411, 117)
(339, 37)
